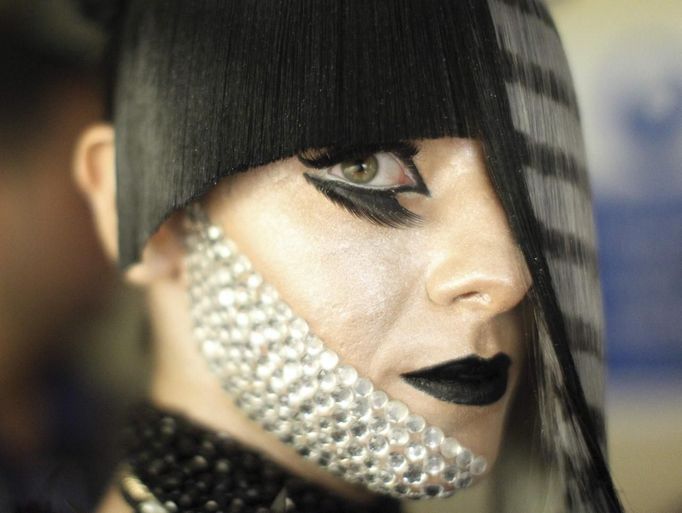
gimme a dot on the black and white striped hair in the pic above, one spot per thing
(204, 89)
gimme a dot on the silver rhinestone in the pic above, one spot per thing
(385, 477)
(307, 389)
(328, 360)
(450, 473)
(371, 463)
(356, 451)
(378, 424)
(358, 429)
(241, 297)
(397, 461)
(223, 251)
(254, 281)
(340, 436)
(450, 448)
(268, 295)
(226, 297)
(399, 435)
(291, 372)
(324, 403)
(212, 349)
(263, 371)
(463, 480)
(314, 345)
(414, 475)
(432, 437)
(241, 266)
(377, 444)
(214, 233)
(347, 375)
(289, 352)
(361, 407)
(325, 425)
(327, 381)
(343, 397)
(478, 465)
(298, 328)
(416, 452)
(341, 418)
(242, 320)
(378, 399)
(396, 411)
(307, 408)
(415, 424)
(363, 387)
(237, 336)
(434, 465)
(256, 339)
(257, 316)
(272, 335)
(464, 458)
(311, 365)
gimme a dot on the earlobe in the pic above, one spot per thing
(95, 175)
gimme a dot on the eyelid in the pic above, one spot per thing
(327, 157)
(403, 152)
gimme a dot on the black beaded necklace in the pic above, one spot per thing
(175, 466)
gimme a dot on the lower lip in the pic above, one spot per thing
(472, 381)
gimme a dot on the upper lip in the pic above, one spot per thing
(472, 380)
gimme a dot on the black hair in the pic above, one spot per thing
(206, 89)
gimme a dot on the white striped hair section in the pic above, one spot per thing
(529, 39)
(546, 122)
(561, 206)
(591, 372)
(579, 294)
(579, 297)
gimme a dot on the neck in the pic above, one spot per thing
(182, 382)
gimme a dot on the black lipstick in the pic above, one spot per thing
(473, 380)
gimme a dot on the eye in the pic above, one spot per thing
(378, 171)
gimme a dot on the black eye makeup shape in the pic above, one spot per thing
(379, 205)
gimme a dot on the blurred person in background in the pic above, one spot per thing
(48, 91)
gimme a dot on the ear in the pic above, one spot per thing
(95, 175)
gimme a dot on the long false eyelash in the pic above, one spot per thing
(378, 206)
(321, 158)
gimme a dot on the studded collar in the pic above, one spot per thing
(175, 466)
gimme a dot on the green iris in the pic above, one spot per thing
(361, 170)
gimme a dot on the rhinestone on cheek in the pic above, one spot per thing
(285, 378)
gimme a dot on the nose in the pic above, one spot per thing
(478, 266)
(494, 292)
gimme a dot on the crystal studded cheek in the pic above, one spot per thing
(285, 378)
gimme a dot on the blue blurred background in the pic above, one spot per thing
(626, 57)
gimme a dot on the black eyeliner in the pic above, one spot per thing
(378, 206)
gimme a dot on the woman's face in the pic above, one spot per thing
(396, 282)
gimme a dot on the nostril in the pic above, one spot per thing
(478, 297)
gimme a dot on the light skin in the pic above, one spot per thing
(387, 300)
